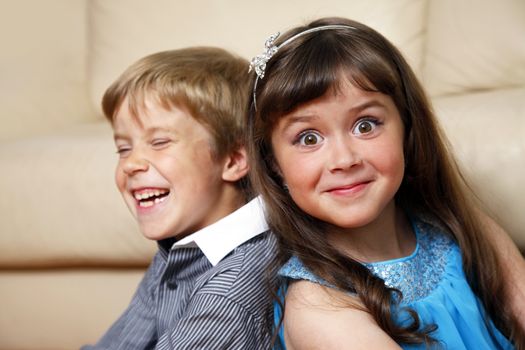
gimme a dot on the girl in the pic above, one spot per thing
(381, 241)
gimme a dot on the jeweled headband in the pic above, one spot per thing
(258, 63)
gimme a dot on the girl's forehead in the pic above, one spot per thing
(314, 86)
(342, 91)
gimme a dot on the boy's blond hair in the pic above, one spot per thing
(211, 83)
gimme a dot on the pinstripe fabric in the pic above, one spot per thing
(183, 302)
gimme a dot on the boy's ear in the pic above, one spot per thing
(235, 165)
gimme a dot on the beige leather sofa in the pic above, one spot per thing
(70, 254)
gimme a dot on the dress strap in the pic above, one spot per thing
(296, 270)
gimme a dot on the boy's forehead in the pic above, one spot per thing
(139, 104)
(140, 108)
(137, 112)
(150, 114)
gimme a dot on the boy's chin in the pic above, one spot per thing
(155, 235)
(156, 229)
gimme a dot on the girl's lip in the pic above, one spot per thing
(351, 188)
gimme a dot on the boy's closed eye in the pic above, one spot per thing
(160, 143)
(123, 151)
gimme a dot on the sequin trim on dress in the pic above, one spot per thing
(416, 276)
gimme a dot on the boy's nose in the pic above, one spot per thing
(135, 163)
(342, 155)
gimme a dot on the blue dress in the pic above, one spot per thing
(433, 284)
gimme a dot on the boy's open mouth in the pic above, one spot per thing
(149, 197)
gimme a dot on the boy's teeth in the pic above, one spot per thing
(149, 194)
(147, 204)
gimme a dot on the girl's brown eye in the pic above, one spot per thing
(310, 139)
(365, 127)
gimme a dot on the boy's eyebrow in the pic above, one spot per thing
(117, 136)
(152, 130)
(155, 129)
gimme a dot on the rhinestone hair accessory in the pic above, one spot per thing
(258, 63)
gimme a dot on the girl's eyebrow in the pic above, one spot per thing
(368, 104)
(295, 119)
(306, 118)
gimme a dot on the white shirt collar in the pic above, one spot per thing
(220, 238)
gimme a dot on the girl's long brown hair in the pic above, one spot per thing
(305, 69)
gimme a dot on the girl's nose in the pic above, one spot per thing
(342, 155)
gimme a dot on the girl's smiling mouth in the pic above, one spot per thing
(348, 189)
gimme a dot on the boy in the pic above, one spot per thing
(177, 121)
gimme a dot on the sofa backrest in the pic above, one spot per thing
(43, 84)
(474, 45)
(122, 31)
(59, 56)
(455, 46)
